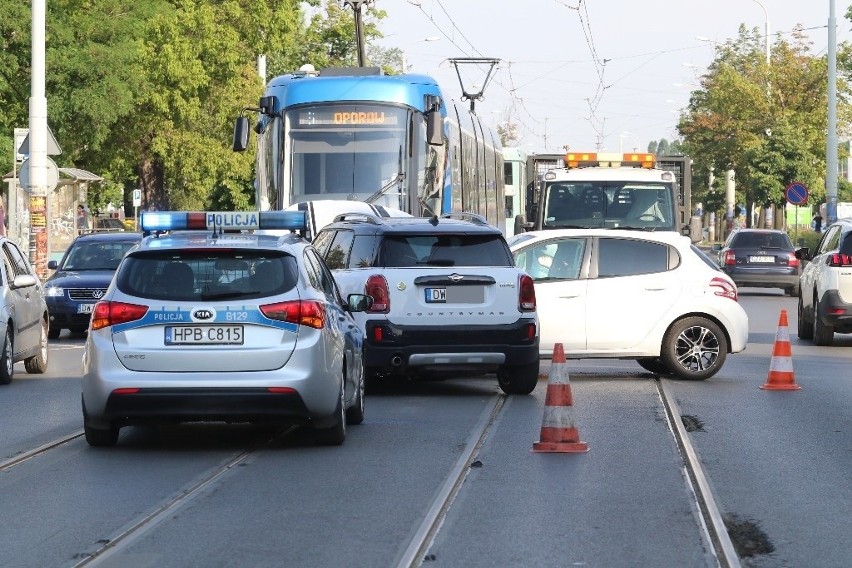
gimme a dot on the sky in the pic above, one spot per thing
(605, 75)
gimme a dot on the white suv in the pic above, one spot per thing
(447, 297)
(825, 300)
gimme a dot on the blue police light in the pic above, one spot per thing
(152, 221)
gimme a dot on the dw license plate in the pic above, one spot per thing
(761, 259)
(456, 295)
(204, 335)
(85, 308)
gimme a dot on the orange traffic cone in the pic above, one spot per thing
(781, 375)
(558, 433)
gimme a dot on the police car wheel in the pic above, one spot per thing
(355, 413)
(336, 433)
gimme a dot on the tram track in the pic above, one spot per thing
(145, 523)
(714, 525)
(419, 545)
(711, 519)
(38, 451)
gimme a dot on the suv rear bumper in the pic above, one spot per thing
(833, 311)
(434, 348)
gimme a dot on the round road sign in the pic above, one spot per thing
(796, 193)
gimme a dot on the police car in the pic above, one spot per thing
(207, 321)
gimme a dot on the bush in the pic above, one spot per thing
(804, 238)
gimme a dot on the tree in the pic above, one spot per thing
(767, 123)
(508, 133)
(145, 93)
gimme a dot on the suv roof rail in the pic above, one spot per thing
(466, 216)
(358, 216)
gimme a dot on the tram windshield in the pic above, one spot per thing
(347, 151)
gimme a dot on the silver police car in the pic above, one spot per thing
(208, 320)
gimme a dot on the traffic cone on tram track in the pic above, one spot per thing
(558, 432)
(781, 375)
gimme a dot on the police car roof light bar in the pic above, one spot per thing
(160, 221)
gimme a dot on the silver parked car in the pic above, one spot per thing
(215, 326)
(24, 315)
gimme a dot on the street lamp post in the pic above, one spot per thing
(404, 58)
(766, 33)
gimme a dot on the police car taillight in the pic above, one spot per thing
(310, 313)
(160, 221)
(377, 287)
(105, 314)
(724, 288)
(526, 293)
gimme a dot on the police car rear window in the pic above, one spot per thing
(207, 275)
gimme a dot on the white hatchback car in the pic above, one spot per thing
(649, 296)
(204, 325)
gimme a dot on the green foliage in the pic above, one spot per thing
(330, 40)
(804, 238)
(145, 94)
(765, 122)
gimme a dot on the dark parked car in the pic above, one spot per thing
(108, 224)
(763, 258)
(82, 277)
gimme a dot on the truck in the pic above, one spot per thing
(609, 190)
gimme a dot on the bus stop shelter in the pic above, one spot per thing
(35, 223)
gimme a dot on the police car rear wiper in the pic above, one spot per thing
(224, 295)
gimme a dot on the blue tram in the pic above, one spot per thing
(356, 134)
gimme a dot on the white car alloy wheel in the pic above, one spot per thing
(694, 348)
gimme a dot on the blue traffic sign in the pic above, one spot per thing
(796, 193)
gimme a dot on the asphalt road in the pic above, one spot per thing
(777, 462)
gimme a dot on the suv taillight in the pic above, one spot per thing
(301, 312)
(725, 288)
(838, 259)
(105, 314)
(526, 293)
(377, 287)
(730, 258)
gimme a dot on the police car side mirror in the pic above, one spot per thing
(241, 129)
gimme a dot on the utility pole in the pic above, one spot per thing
(359, 30)
(831, 141)
(37, 174)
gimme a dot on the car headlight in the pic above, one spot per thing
(53, 291)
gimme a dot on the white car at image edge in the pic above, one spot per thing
(649, 296)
